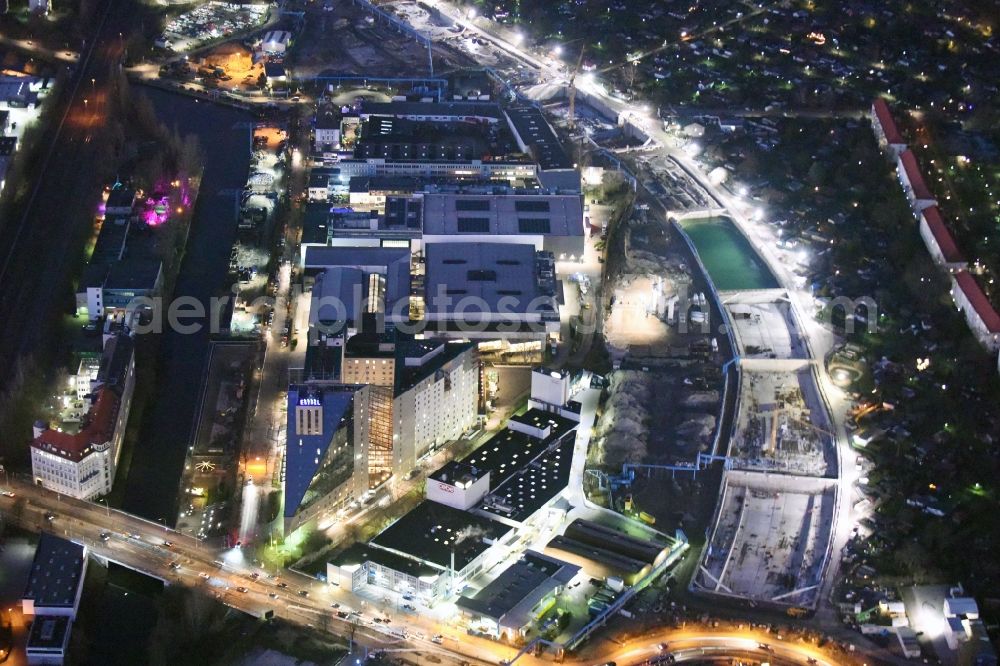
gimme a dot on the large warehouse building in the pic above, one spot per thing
(518, 596)
(429, 553)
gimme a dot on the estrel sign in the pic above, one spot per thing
(445, 487)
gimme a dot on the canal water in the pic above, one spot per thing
(728, 257)
(158, 459)
(128, 607)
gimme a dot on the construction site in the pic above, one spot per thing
(771, 539)
(782, 424)
(764, 325)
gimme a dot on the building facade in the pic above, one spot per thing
(436, 401)
(912, 180)
(982, 319)
(939, 241)
(325, 465)
(82, 464)
(886, 131)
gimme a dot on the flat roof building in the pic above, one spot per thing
(458, 485)
(124, 264)
(443, 537)
(326, 458)
(363, 565)
(534, 486)
(501, 168)
(511, 449)
(535, 136)
(55, 582)
(519, 595)
(48, 639)
(490, 290)
(512, 475)
(351, 281)
(547, 220)
(439, 112)
(425, 393)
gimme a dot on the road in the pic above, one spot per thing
(46, 232)
(180, 559)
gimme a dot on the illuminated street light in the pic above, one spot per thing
(557, 50)
(518, 38)
(471, 14)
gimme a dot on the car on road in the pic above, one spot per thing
(342, 614)
(303, 593)
(765, 647)
(272, 595)
(242, 589)
(104, 536)
(8, 493)
(282, 584)
(334, 605)
(204, 575)
(662, 647)
(438, 638)
(168, 544)
(254, 576)
(410, 607)
(175, 565)
(49, 516)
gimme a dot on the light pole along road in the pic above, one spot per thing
(180, 559)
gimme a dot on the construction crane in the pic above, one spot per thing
(572, 89)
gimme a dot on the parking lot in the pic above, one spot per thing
(211, 21)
